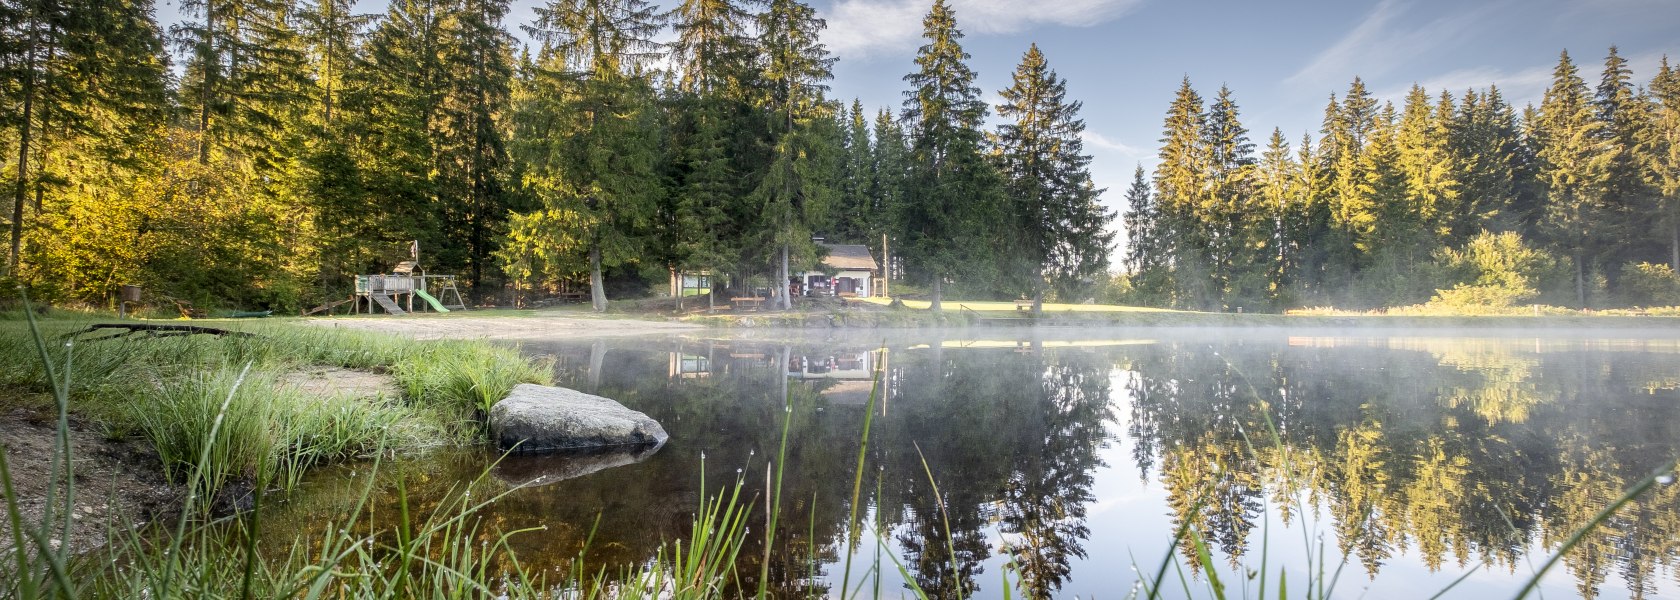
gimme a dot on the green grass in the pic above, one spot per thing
(169, 390)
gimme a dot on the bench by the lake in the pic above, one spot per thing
(748, 302)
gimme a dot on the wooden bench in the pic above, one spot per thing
(748, 302)
(1023, 304)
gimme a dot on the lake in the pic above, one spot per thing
(1372, 464)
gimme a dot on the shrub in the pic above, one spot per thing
(1492, 271)
(1646, 284)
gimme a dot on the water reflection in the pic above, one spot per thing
(1436, 454)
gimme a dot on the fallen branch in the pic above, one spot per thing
(152, 330)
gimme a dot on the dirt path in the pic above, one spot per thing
(505, 327)
(116, 482)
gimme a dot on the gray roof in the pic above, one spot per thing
(849, 257)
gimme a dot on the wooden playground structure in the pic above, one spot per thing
(394, 293)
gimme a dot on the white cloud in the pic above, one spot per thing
(1099, 141)
(860, 28)
(1517, 87)
(1381, 42)
(1527, 85)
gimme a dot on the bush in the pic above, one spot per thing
(1646, 284)
(1492, 271)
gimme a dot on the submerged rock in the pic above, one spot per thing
(532, 471)
(538, 418)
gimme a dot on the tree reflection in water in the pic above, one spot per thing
(1452, 452)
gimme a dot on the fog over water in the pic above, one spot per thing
(1418, 456)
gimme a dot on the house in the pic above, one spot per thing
(855, 273)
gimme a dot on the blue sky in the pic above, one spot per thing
(1124, 58)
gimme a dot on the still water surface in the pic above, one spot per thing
(1405, 462)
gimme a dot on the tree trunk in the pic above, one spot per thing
(204, 84)
(1580, 282)
(934, 305)
(597, 357)
(15, 258)
(787, 357)
(1674, 246)
(782, 276)
(1038, 302)
(597, 291)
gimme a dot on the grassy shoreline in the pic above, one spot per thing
(953, 316)
(166, 391)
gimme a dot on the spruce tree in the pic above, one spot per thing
(713, 38)
(393, 111)
(471, 148)
(888, 170)
(1180, 181)
(797, 190)
(1423, 145)
(1623, 117)
(85, 87)
(592, 145)
(1227, 210)
(953, 194)
(1146, 261)
(1063, 230)
(1664, 142)
(1573, 166)
(1278, 193)
(853, 221)
(717, 133)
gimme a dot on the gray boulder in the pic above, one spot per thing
(538, 418)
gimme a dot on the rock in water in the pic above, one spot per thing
(539, 418)
(534, 471)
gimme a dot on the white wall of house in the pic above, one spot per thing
(861, 283)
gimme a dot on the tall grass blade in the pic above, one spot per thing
(1602, 516)
(945, 516)
(852, 533)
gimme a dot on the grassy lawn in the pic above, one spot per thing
(991, 306)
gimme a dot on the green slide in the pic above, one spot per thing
(437, 306)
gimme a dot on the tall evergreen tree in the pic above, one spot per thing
(1180, 181)
(1574, 165)
(592, 144)
(888, 168)
(953, 193)
(471, 155)
(1228, 211)
(1485, 144)
(393, 112)
(1146, 261)
(1664, 136)
(1623, 117)
(712, 41)
(854, 222)
(797, 190)
(1055, 210)
(1278, 191)
(85, 83)
(1423, 144)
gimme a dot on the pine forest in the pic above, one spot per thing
(262, 153)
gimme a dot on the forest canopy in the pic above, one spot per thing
(261, 153)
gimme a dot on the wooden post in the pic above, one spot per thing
(886, 268)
